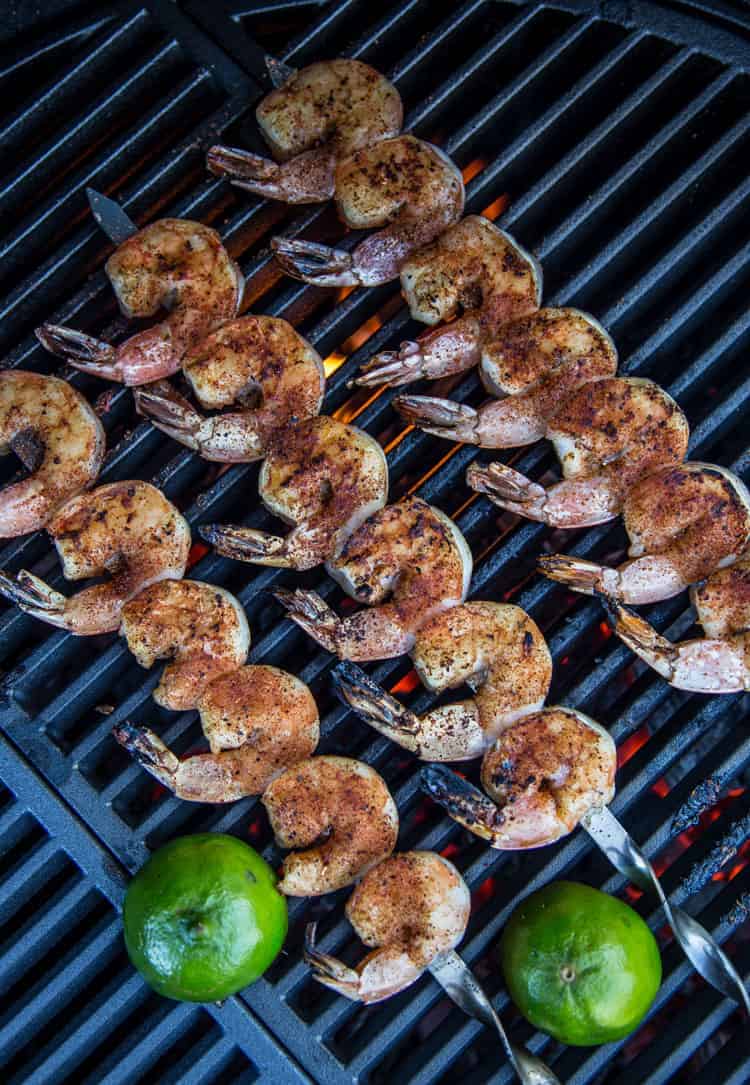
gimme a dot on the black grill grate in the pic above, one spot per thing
(618, 134)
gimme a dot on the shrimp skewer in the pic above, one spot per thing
(684, 523)
(259, 721)
(313, 120)
(58, 438)
(607, 435)
(340, 813)
(126, 529)
(408, 562)
(325, 478)
(494, 648)
(532, 365)
(407, 190)
(171, 264)
(258, 363)
(716, 663)
(408, 910)
(200, 628)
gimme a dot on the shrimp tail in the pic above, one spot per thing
(393, 367)
(328, 970)
(374, 705)
(577, 573)
(247, 544)
(506, 487)
(82, 351)
(149, 751)
(463, 802)
(641, 637)
(237, 165)
(33, 595)
(441, 417)
(312, 614)
(169, 411)
(314, 263)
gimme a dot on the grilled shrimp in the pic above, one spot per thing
(496, 649)
(684, 522)
(408, 562)
(543, 774)
(322, 476)
(409, 909)
(259, 721)
(259, 363)
(474, 272)
(172, 264)
(59, 440)
(316, 118)
(200, 628)
(532, 365)
(341, 813)
(128, 530)
(607, 435)
(716, 663)
(406, 186)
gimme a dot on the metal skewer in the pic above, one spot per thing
(110, 217)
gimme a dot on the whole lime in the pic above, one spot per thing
(203, 918)
(579, 964)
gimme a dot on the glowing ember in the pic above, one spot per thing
(473, 169)
(197, 551)
(497, 207)
(409, 682)
(632, 745)
(450, 851)
(483, 892)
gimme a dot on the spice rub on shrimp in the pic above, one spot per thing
(532, 365)
(474, 275)
(259, 365)
(494, 648)
(325, 478)
(126, 530)
(718, 662)
(542, 775)
(340, 818)
(171, 264)
(59, 440)
(607, 435)
(407, 190)
(408, 910)
(317, 117)
(407, 562)
(684, 522)
(259, 721)
(200, 628)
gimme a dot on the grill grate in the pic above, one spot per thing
(616, 138)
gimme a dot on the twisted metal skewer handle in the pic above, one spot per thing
(460, 983)
(700, 947)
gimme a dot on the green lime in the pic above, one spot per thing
(579, 964)
(203, 918)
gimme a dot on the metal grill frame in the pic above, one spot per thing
(220, 77)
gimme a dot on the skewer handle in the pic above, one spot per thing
(460, 984)
(700, 947)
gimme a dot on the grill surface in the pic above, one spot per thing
(611, 137)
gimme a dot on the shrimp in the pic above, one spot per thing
(716, 663)
(532, 365)
(259, 721)
(341, 813)
(322, 476)
(59, 440)
(409, 909)
(607, 435)
(408, 562)
(319, 116)
(174, 264)
(408, 187)
(474, 272)
(200, 628)
(128, 530)
(543, 774)
(684, 522)
(494, 648)
(257, 362)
